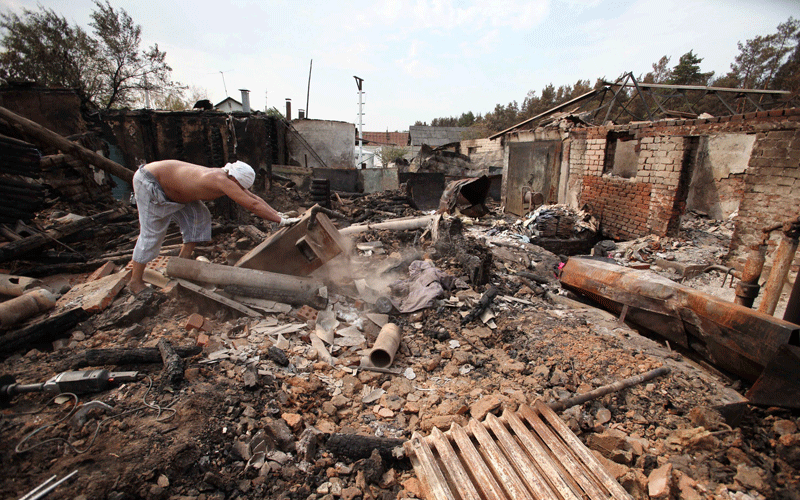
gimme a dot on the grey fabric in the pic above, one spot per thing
(155, 213)
(424, 285)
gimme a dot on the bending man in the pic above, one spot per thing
(175, 190)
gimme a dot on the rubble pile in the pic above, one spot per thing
(258, 398)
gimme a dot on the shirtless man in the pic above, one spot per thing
(175, 190)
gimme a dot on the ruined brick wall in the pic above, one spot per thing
(772, 188)
(667, 151)
(621, 204)
(483, 153)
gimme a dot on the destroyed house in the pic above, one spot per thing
(641, 178)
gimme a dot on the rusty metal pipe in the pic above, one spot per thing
(784, 256)
(792, 313)
(747, 288)
(608, 389)
(386, 345)
(23, 307)
(17, 285)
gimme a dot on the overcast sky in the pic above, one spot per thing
(426, 59)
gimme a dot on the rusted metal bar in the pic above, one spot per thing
(792, 313)
(748, 287)
(608, 389)
(782, 261)
(732, 336)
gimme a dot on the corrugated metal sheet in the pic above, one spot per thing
(527, 454)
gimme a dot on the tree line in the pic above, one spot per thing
(768, 62)
(107, 68)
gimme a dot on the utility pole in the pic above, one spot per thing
(309, 85)
(223, 83)
(359, 83)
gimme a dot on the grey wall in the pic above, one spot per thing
(332, 141)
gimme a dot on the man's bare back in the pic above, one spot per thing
(185, 182)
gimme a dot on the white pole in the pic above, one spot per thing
(359, 83)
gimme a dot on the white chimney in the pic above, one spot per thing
(245, 100)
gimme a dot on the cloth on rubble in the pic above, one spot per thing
(424, 285)
(155, 213)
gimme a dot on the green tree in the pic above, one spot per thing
(125, 71)
(687, 71)
(661, 72)
(42, 47)
(107, 70)
(388, 154)
(762, 58)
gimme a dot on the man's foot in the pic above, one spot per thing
(136, 287)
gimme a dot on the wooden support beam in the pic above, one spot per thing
(48, 137)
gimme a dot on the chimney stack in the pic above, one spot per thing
(245, 100)
(301, 114)
(288, 109)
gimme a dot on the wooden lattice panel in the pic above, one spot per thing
(527, 454)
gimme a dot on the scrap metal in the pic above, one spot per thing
(732, 336)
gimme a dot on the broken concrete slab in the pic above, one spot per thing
(94, 296)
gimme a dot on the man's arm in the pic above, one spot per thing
(249, 201)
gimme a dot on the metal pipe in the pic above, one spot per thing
(385, 346)
(792, 313)
(777, 276)
(17, 285)
(608, 389)
(218, 274)
(747, 288)
(27, 305)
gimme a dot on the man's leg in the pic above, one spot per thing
(137, 283)
(195, 223)
(187, 249)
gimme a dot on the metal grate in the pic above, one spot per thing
(527, 454)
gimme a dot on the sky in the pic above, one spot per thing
(424, 59)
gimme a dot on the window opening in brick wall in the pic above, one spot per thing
(622, 155)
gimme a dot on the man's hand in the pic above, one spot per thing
(288, 221)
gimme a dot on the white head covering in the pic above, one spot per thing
(242, 172)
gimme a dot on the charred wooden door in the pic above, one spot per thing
(535, 165)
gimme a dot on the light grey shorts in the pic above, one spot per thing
(155, 213)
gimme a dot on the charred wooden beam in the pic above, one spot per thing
(118, 357)
(41, 332)
(46, 136)
(18, 248)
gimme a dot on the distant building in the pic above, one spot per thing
(229, 105)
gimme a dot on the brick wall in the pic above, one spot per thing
(483, 153)
(621, 204)
(771, 185)
(771, 190)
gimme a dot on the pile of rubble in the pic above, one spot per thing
(250, 397)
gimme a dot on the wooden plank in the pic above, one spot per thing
(499, 463)
(522, 463)
(472, 458)
(219, 298)
(589, 460)
(548, 465)
(460, 478)
(433, 481)
(565, 457)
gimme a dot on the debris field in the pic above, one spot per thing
(240, 397)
